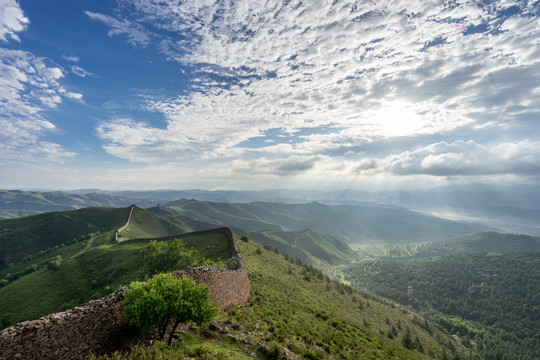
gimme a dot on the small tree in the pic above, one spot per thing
(53, 264)
(166, 300)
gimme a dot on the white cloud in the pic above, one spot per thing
(28, 87)
(295, 68)
(12, 20)
(459, 158)
(72, 95)
(137, 35)
(290, 166)
(79, 71)
(70, 58)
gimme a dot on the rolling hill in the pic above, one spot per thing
(91, 264)
(21, 237)
(14, 203)
(488, 300)
(369, 223)
(484, 242)
(293, 305)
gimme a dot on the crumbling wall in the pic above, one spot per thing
(126, 225)
(93, 327)
(97, 326)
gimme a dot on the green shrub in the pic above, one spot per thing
(55, 263)
(166, 299)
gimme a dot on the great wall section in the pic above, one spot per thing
(96, 326)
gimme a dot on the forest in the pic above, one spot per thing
(490, 301)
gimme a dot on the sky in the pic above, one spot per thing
(247, 95)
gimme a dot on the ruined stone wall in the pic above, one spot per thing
(125, 226)
(227, 288)
(93, 327)
(97, 327)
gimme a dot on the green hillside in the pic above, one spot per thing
(296, 310)
(21, 237)
(91, 265)
(222, 213)
(370, 223)
(489, 300)
(309, 246)
(471, 243)
(144, 224)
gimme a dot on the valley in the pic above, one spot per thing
(300, 257)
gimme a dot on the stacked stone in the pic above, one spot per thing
(72, 334)
(97, 326)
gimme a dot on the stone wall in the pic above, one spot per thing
(126, 225)
(96, 326)
(93, 327)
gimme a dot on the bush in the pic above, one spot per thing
(55, 263)
(167, 299)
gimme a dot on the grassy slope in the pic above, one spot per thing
(312, 317)
(312, 247)
(309, 246)
(28, 235)
(145, 224)
(321, 313)
(90, 269)
(222, 213)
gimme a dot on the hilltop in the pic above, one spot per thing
(16, 203)
(296, 311)
(92, 265)
(367, 223)
(293, 307)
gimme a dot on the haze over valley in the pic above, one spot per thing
(345, 179)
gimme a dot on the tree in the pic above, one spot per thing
(407, 341)
(166, 300)
(53, 264)
(165, 256)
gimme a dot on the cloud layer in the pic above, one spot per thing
(29, 86)
(12, 20)
(364, 72)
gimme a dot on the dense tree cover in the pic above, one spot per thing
(167, 300)
(471, 243)
(491, 301)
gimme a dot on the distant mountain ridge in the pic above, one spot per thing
(349, 223)
(513, 209)
(15, 203)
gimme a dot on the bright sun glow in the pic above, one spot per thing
(396, 118)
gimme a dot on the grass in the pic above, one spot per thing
(144, 224)
(296, 310)
(29, 235)
(215, 347)
(90, 269)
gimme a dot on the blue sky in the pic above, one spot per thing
(144, 94)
